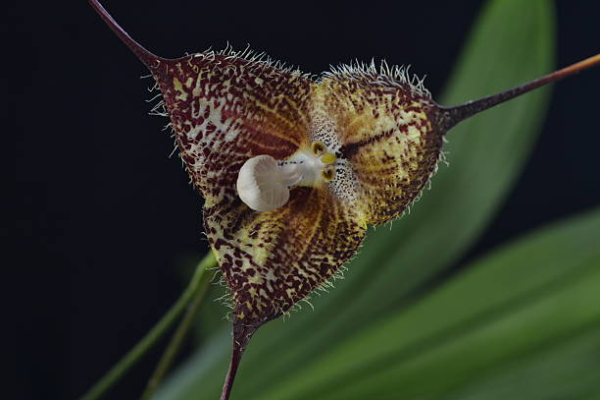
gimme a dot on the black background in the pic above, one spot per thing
(100, 219)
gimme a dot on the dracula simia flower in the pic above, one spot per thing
(293, 169)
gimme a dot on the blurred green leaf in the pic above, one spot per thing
(500, 312)
(511, 43)
(592, 396)
(565, 371)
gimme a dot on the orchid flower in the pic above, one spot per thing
(294, 169)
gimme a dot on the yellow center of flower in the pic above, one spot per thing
(264, 183)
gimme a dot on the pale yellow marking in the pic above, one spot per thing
(357, 119)
(216, 254)
(182, 94)
(196, 91)
(261, 254)
(414, 134)
(256, 278)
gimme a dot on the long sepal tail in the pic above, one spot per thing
(454, 115)
(149, 59)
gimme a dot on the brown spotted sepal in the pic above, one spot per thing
(292, 168)
(227, 108)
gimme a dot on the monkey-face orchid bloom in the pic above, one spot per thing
(293, 169)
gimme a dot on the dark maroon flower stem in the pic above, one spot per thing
(241, 336)
(454, 115)
(236, 357)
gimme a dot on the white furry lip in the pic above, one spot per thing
(264, 185)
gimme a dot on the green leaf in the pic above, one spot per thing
(511, 43)
(573, 367)
(499, 313)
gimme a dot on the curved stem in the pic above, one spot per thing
(134, 355)
(177, 340)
